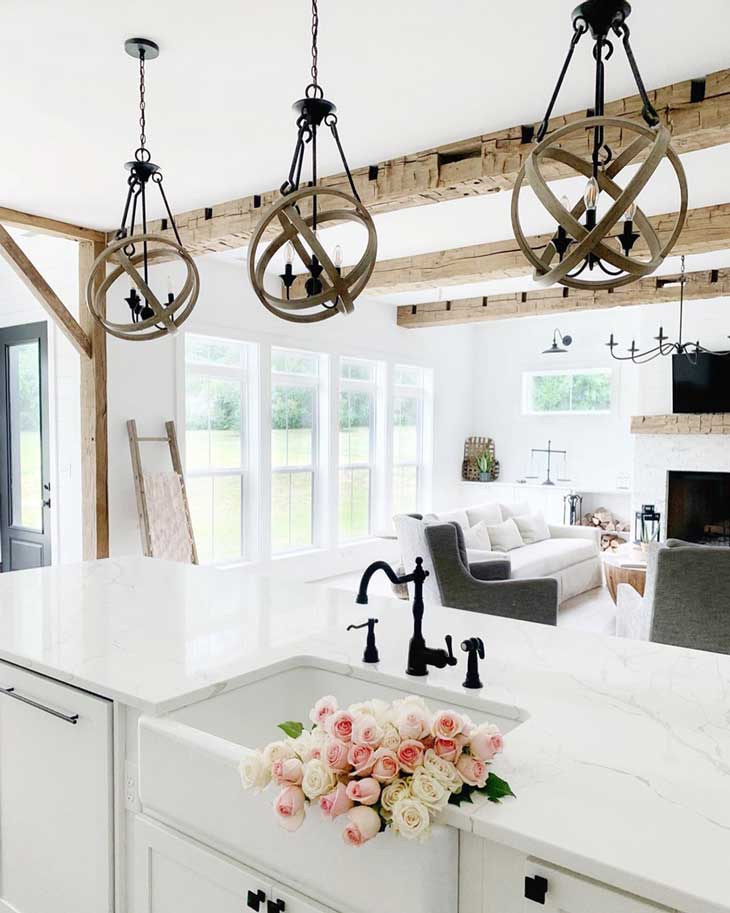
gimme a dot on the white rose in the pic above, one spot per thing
(376, 708)
(318, 780)
(277, 751)
(392, 794)
(302, 745)
(429, 790)
(255, 773)
(411, 819)
(391, 737)
(443, 771)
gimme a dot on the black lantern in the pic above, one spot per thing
(647, 526)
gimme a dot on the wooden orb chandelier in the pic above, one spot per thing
(598, 252)
(295, 219)
(132, 254)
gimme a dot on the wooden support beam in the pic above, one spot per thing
(556, 300)
(48, 226)
(94, 437)
(482, 164)
(44, 294)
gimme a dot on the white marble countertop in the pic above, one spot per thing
(622, 770)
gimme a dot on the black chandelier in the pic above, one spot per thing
(664, 346)
(586, 243)
(301, 211)
(151, 316)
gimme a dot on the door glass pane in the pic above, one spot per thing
(405, 489)
(291, 510)
(354, 503)
(405, 432)
(24, 402)
(355, 420)
(292, 426)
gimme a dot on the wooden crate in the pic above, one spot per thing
(474, 447)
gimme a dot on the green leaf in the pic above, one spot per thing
(497, 788)
(464, 795)
(292, 729)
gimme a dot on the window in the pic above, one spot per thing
(216, 444)
(408, 414)
(358, 380)
(565, 392)
(294, 410)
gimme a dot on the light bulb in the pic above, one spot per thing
(590, 197)
(289, 253)
(169, 284)
(565, 203)
(338, 256)
(630, 213)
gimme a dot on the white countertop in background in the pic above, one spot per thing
(622, 770)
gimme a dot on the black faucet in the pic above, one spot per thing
(420, 656)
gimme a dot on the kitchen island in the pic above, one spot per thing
(618, 751)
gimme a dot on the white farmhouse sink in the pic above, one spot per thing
(189, 778)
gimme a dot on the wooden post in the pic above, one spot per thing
(94, 437)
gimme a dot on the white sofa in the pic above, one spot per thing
(572, 554)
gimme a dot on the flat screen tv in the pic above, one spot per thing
(701, 387)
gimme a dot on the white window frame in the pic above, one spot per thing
(247, 389)
(421, 393)
(286, 379)
(371, 387)
(528, 377)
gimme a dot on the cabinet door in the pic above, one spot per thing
(555, 890)
(285, 901)
(56, 818)
(174, 875)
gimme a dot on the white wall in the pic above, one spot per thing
(143, 385)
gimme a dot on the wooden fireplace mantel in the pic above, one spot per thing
(710, 423)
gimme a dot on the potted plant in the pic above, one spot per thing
(485, 463)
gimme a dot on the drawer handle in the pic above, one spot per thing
(276, 906)
(11, 692)
(255, 900)
(536, 889)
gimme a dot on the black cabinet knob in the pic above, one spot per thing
(275, 906)
(255, 899)
(536, 889)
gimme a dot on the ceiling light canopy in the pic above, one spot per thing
(294, 220)
(594, 249)
(151, 316)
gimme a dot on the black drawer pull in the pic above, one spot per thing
(255, 900)
(11, 692)
(536, 889)
(275, 906)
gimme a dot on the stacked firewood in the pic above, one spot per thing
(615, 530)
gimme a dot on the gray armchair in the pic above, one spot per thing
(686, 602)
(482, 587)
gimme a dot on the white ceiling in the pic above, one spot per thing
(405, 76)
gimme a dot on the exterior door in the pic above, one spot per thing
(25, 491)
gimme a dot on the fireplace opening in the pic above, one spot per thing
(699, 507)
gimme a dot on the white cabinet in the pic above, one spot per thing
(173, 874)
(56, 812)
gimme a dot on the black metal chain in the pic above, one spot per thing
(315, 51)
(142, 154)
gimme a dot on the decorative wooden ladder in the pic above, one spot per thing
(143, 511)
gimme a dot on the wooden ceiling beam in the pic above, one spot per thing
(52, 227)
(44, 294)
(481, 164)
(557, 300)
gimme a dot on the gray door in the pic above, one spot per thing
(25, 491)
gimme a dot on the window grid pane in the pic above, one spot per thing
(577, 391)
(292, 498)
(354, 503)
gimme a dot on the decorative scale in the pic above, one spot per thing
(580, 248)
(131, 254)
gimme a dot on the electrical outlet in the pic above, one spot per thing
(131, 788)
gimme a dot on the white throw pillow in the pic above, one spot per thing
(505, 536)
(532, 527)
(490, 513)
(477, 536)
(453, 516)
(518, 509)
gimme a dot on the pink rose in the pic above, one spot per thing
(335, 755)
(366, 791)
(324, 707)
(410, 755)
(361, 758)
(472, 771)
(339, 725)
(287, 773)
(412, 722)
(447, 724)
(448, 749)
(289, 807)
(385, 765)
(363, 824)
(365, 730)
(336, 803)
(486, 741)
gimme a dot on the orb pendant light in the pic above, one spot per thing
(295, 218)
(592, 250)
(131, 255)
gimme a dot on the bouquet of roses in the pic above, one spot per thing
(382, 765)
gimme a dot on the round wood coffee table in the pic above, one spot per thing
(625, 568)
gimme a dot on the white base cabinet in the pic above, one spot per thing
(177, 875)
(56, 801)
